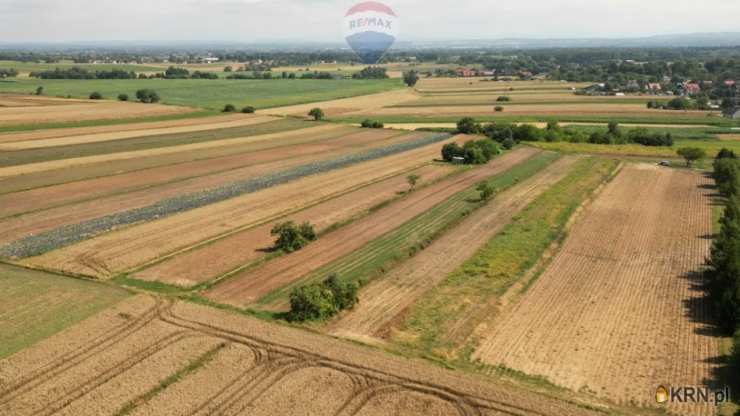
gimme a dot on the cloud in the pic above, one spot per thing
(319, 20)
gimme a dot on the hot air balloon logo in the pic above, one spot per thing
(370, 29)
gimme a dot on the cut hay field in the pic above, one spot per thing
(711, 146)
(149, 356)
(210, 94)
(620, 309)
(38, 305)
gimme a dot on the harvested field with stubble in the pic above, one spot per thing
(249, 286)
(621, 309)
(386, 298)
(54, 110)
(242, 248)
(216, 212)
(148, 356)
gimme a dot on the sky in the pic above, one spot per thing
(320, 20)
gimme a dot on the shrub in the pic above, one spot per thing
(369, 124)
(248, 110)
(322, 300)
(503, 99)
(122, 97)
(508, 143)
(374, 72)
(311, 302)
(486, 190)
(96, 96)
(316, 113)
(410, 78)
(467, 125)
(147, 96)
(498, 109)
(291, 237)
(229, 108)
(451, 151)
(40, 91)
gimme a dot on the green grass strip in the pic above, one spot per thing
(194, 365)
(504, 260)
(381, 254)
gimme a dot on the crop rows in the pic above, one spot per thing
(70, 234)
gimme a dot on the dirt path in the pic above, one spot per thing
(7, 145)
(122, 354)
(620, 310)
(247, 287)
(386, 298)
(262, 163)
(117, 251)
(230, 253)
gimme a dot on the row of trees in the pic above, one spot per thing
(723, 273)
(509, 134)
(81, 73)
(682, 103)
(371, 72)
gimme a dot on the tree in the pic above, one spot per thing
(412, 180)
(724, 267)
(96, 96)
(122, 97)
(486, 191)
(498, 109)
(410, 78)
(311, 302)
(228, 69)
(451, 151)
(291, 237)
(503, 99)
(40, 91)
(316, 113)
(248, 109)
(614, 129)
(467, 125)
(691, 154)
(508, 143)
(344, 293)
(229, 108)
(147, 96)
(726, 153)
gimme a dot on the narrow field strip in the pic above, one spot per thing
(247, 287)
(67, 235)
(443, 319)
(126, 249)
(138, 127)
(105, 158)
(7, 145)
(146, 143)
(238, 250)
(43, 220)
(636, 253)
(385, 299)
(158, 166)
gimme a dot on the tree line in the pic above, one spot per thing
(723, 273)
(82, 73)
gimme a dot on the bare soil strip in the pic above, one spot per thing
(264, 369)
(347, 105)
(123, 250)
(189, 148)
(45, 220)
(245, 288)
(220, 257)
(8, 145)
(620, 310)
(384, 299)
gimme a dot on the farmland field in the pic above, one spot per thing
(149, 356)
(210, 94)
(37, 305)
(618, 310)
